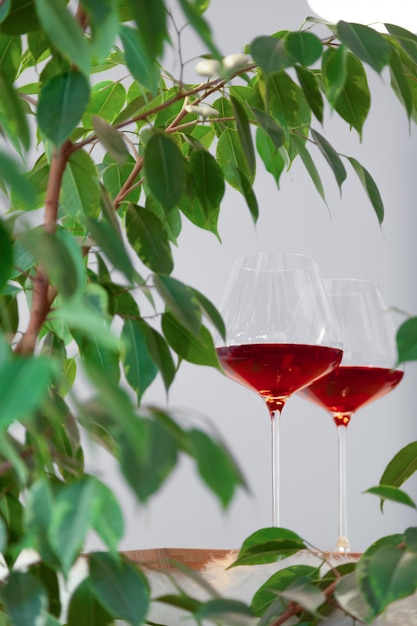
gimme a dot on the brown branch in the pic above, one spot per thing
(126, 187)
(43, 293)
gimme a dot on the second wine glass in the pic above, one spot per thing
(281, 334)
(365, 373)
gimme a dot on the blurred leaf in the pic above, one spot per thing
(310, 166)
(49, 579)
(151, 20)
(195, 348)
(180, 300)
(407, 341)
(12, 107)
(331, 157)
(85, 610)
(103, 18)
(354, 99)
(244, 131)
(38, 511)
(220, 610)
(269, 545)
(164, 169)
(111, 139)
(63, 30)
(25, 599)
(388, 492)
(366, 43)
(11, 174)
(281, 580)
(6, 255)
(302, 592)
(350, 598)
(387, 575)
(20, 17)
(106, 516)
(140, 64)
(311, 89)
(370, 187)
(304, 47)
(270, 54)
(98, 356)
(201, 26)
(4, 10)
(16, 377)
(410, 537)
(148, 237)
(211, 312)
(58, 262)
(10, 55)
(139, 367)
(215, 465)
(399, 81)
(401, 467)
(62, 102)
(37, 178)
(334, 72)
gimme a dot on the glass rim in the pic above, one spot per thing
(243, 261)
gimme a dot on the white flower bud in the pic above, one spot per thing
(205, 110)
(208, 67)
(236, 61)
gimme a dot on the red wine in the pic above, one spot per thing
(347, 388)
(276, 370)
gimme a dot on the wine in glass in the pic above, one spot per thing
(281, 334)
(366, 371)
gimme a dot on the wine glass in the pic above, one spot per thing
(366, 371)
(281, 334)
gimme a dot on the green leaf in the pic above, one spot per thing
(103, 18)
(24, 599)
(180, 300)
(71, 519)
(406, 39)
(334, 72)
(269, 545)
(64, 31)
(232, 159)
(151, 20)
(387, 492)
(246, 189)
(195, 348)
(58, 263)
(85, 610)
(11, 106)
(311, 89)
(62, 102)
(299, 146)
(201, 26)
(141, 66)
(366, 43)
(38, 511)
(21, 18)
(115, 175)
(11, 174)
(147, 455)
(244, 131)
(215, 465)
(302, 592)
(10, 55)
(272, 157)
(401, 467)
(331, 157)
(281, 580)
(283, 100)
(399, 82)
(6, 255)
(270, 54)
(304, 47)
(112, 245)
(220, 610)
(139, 367)
(106, 516)
(370, 187)
(99, 357)
(387, 575)
(4, 10)
(111, 139)
(410, 537)
(208, 181)
(149, 239)
(16, 377)
(354, 100)
(120, 587)
(211, 312)
(269, 125)
(164, 169)
(350, 598)
(161, 356)
(106, 101)
(407, 341)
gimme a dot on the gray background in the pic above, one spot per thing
(347, 241)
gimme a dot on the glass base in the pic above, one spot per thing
(343, 545)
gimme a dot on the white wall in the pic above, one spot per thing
(346, 242)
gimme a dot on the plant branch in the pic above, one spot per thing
(43, 293)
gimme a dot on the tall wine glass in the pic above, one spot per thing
(366, 371)
(281, 334)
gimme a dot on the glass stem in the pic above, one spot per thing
(343, 544)
(275, 419)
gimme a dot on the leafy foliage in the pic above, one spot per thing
(119, 163)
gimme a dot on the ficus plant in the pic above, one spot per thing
(103, 155)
